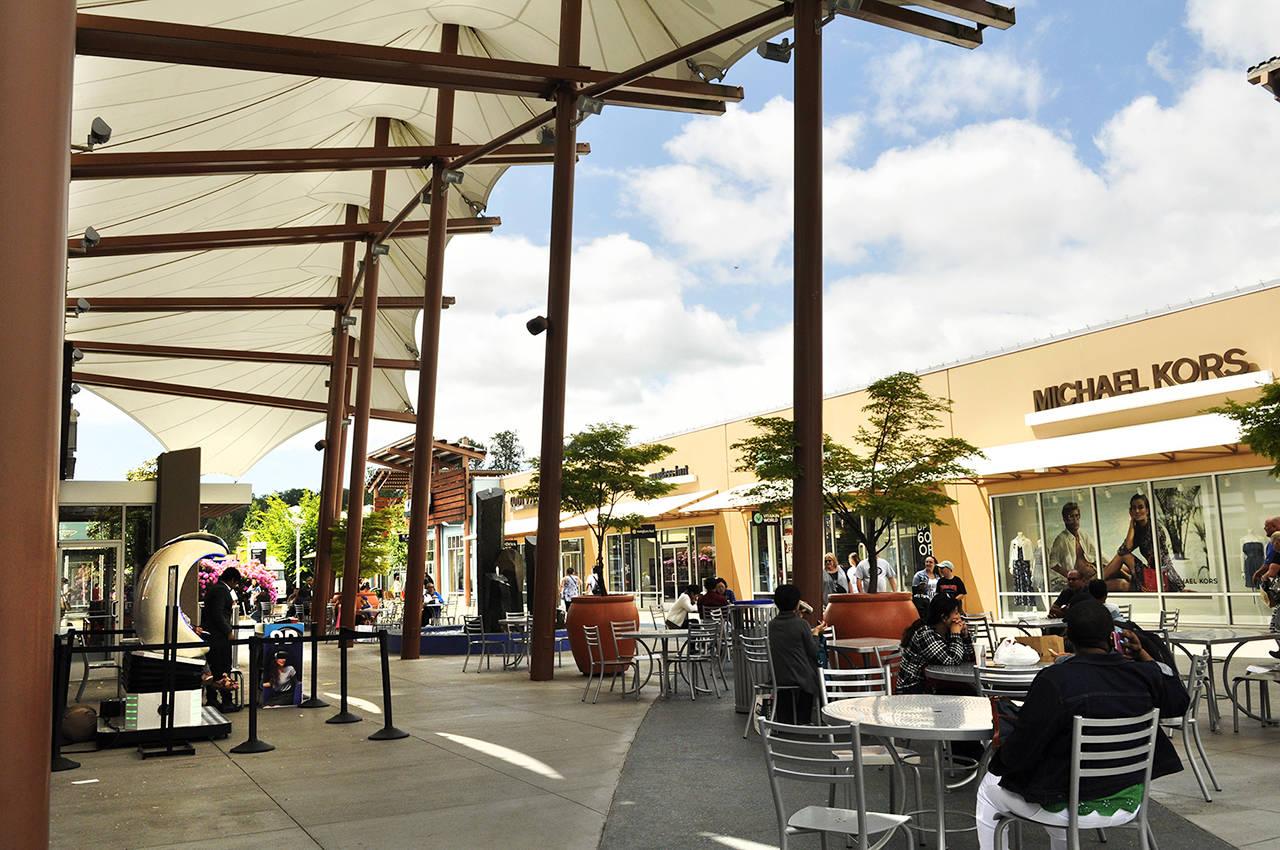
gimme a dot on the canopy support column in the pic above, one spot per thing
(429, 355)
(331, 478)
(364, 395)
(807, 344)
(37, 48)
(547, 560)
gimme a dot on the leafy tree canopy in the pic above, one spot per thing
(379, 541)
(1259, 423)
(505, 451)
(148, 470)
(274, 518)
(601, 469)
(892, 471)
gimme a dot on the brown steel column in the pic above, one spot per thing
(364, 394)
(429, 354)
(547, 560)
(807, 377)
(37, 48)
(331, 478)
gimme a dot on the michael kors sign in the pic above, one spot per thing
(1184, 370)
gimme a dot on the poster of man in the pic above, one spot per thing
(1073, 548)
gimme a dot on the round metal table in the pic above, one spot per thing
(920, 717)
(964, 672)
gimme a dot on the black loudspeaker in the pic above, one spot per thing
(491, 603)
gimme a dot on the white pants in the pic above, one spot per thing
(994, 800)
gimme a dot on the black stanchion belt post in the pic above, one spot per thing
(61, 682)
(388, 732)
(254, 744)
(345, 636)
(314, 700)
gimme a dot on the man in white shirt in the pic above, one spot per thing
(888, 578)
(852, 573)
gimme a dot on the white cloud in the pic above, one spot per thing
(932, 85)
(1238, 32)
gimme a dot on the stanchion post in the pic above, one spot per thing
(314, 700)
(388, 732)
(253, 744)
(345, 637)
(61, 677)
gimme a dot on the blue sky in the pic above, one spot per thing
(1097, 160)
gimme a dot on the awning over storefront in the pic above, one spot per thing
(649, 509)
(529, 525)
(1208, 434)
(734, 497)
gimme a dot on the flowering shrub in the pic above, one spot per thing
(253, 574)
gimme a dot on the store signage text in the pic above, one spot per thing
(670, 473)
(1183, 370)
(519, 503)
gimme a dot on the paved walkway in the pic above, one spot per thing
(494, 760)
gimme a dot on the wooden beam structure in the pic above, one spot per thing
(133, 349)
(182, 44)
(213, 240)
(105, 165)
(206, 304)
(886, 14)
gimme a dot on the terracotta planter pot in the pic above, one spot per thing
(885, 615)
(600, 611)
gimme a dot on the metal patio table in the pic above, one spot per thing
(963, 673)
(664, 636)
(1209, 638)
(920, 717)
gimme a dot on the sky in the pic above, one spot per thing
(1098, 160)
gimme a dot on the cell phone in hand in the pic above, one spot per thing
(1117, 637)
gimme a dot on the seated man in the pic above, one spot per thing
(1031, 770)
(794, 651)
(712, 598)
(1075, 591)
(1098, 590)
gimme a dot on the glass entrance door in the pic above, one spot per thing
(676, 573)
(94, 589)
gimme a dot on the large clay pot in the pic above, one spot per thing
(885, 615)
(600, 611)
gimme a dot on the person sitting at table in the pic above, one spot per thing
(1030, 772)
(727, 592)
(793, 649)
(712, 598)
(432, 601)
(1075, 591)
(677, 616)
(941, 637)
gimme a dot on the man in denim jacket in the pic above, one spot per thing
(1031, 770)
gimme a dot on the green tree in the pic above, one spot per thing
(600, 469)
(379, 541)
(273, 519)
(505, 452)
(1259, 423)
(893, 471)
(148, 470)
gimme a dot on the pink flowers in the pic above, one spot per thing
(253, 573)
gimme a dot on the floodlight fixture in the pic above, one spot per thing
(348, 321)
(321, 445)
(82, 306)
(546, 136)
(776, 52)
(76, 355)
(75, 388)
(537, 325)
(706, 71)
(846, 6)
(451, 176)
(89, 240)
(590, 105)
(99, 134)
(380, 249)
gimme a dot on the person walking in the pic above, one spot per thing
(569, 587)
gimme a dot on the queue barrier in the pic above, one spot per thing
(64, 650)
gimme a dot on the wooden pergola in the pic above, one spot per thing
(37, 53)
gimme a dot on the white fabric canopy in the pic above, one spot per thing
(1153, 438)
(649, 508)
(156, 107)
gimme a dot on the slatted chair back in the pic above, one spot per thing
(1169, 619)
(1003, 681)
(856, 682)
(890, 660)
(979, 626)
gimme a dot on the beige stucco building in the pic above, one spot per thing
(1090, 419)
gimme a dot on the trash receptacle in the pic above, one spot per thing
(748, 617)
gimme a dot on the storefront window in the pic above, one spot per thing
(1071, 535)
(571, 556)
(1247, 499)
(1122, 507)
(85, 522)
(1188, 513)
(1020, 562)
(704, 544)
(454, 561)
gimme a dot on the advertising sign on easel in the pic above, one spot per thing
(281, 665)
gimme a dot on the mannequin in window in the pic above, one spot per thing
(1073, 548)
(1020, 554)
